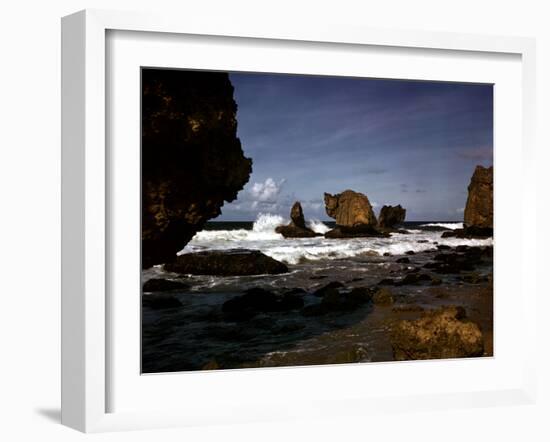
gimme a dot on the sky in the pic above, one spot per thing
(414, 143)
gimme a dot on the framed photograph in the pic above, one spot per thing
(265, 222)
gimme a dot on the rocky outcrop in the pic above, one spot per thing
(353, 214)
(350, 209)
(390, 216)
(479, 206)
(439, 334)
(226, 263)
(297, 227)
(192, 160)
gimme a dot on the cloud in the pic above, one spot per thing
(420, 190)
(460, 210)
(268, 191)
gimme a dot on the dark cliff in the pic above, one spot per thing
(192, 160)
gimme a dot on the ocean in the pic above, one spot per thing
(195, 335)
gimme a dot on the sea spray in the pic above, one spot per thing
(262, 236)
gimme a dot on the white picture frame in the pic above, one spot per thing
(85, 234)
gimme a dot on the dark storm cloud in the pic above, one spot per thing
(400, 142)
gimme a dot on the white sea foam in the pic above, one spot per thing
(453, 226)
(317, 226)
(263, 237)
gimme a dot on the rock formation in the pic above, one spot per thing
(226, 263)
(390, 216)
(439, 334)
(479, 206)
(192, 160)
(350, 209)
(353, 214)
(478, 214)
(297, 227)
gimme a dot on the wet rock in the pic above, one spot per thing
(318, 277)
(410, 252)
(383, 296)
(160, 302)
(390, 216)
(297, 227)
(163, 285)
(350, 209)
(331, 285)
(443, 247)
(356, 353)
(414, 279)
(386, 254)
(478, 212)
(359, 296)
(226, 263)
(359, 231)
(192, 160)
(403, 260)
(258, 300)
(439, 334)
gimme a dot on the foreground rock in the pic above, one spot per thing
(163, 285)
(390, 216)
(226, 263)
(439, 334)
(478, 214)
(192, 160)
(297, 227)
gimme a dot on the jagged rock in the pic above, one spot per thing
(163, 285)
(226, 263)
(331, 285)
(350, 209)
(297, 227)
(391, 215)
(439, 334)
(192, 160)
(297, 215)
(479, 206)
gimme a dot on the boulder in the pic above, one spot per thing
(438, 334)
(226, 263)
(390, 216)
(192, 160)
(350, 209)
(479, 205)
(297, 227)
(163, 285)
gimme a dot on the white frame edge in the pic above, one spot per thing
(83, 334)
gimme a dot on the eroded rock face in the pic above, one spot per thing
(297, 227)
(236, 262)
(297, 215)
(439, 334)
(390, 216)
(350, 209)
(479, 206)
(192, 160)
